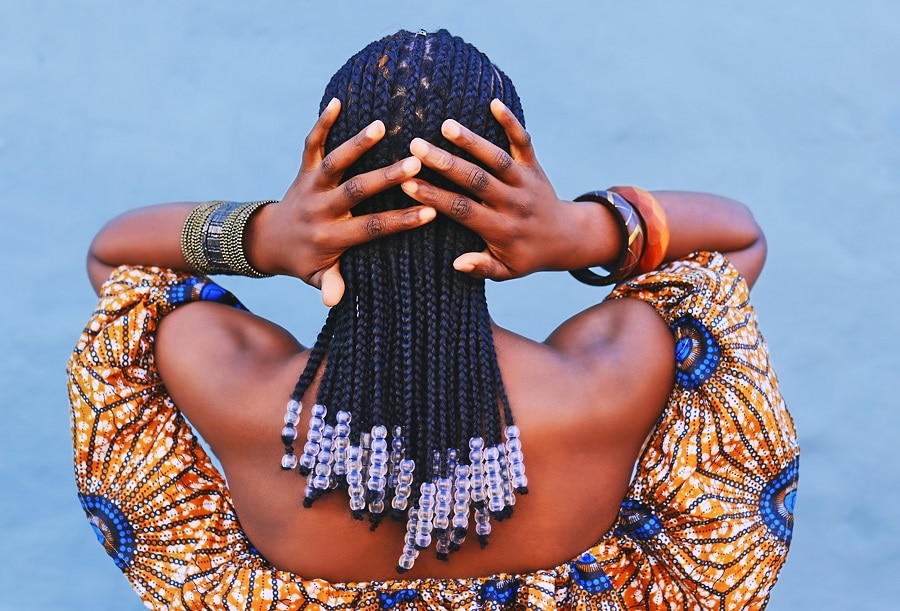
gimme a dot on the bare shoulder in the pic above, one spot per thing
(625, 353)
(218, 362)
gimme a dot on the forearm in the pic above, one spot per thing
(146, 236)
(701, 221)
(696, 221)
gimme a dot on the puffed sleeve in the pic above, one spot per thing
(148, 489)
(708, 516)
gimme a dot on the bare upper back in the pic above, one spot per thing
(584, 400)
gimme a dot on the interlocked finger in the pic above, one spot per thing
(337, 161)
(363, 186)
(474, 179)
(495, 158)
(360, 229)
(477, 217)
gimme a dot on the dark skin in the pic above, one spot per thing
(585, 398)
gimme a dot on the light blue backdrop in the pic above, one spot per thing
(792, 109)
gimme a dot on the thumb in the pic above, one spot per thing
(481, 265)
(332, 285)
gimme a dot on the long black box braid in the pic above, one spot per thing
(412, 417)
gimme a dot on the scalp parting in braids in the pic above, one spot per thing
(411, 416)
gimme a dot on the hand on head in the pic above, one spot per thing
(321, 201)
(518, 215)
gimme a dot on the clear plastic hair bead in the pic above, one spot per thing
(410, 553)
(476, 458)
(494, 481)
(288, 462)
(482, 525)
(288, 434)
(442, 547)
(442, 505)
(324, 459)
(377, 470)
(509, 498)
(404, 485)
(354, 481)
(313, 437)
(461, 498)
(516, 460)
(426, 514)
(341, 443)
(397, 454)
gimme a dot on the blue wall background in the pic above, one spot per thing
(792, 109)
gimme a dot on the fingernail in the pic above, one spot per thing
(451, 128)
(374, 129)
(331, 103)
(418, 147)
(426, 214)
(409, 187)
(463, 267)
(500, 104)
(411, 165)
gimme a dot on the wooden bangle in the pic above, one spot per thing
(632, 235)
(656, 226)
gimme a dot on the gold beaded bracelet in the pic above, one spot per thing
(212, 239)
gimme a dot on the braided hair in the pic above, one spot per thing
(411, 416)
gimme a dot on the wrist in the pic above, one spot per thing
(258, 242)
(596, 239)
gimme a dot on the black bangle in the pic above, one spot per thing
(631, 232)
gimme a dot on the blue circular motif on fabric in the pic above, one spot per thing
(391, 599)
(111, 527)
(502, 591)
(637, 521)
(697, 354)
(212, 292)
(589, 576)
(776, 502)
(183, 292)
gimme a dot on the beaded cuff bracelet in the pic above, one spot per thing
(212, 238)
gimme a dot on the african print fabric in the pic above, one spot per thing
(706, 523)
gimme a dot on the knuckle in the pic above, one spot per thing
(375, 226)
(354, 190)
(478, 180)
(502, 161)
(328, 165)
(460, 208)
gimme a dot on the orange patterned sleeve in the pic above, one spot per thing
(708, 517)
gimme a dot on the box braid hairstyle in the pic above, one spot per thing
(411, 417)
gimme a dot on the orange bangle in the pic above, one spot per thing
(656, 226)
